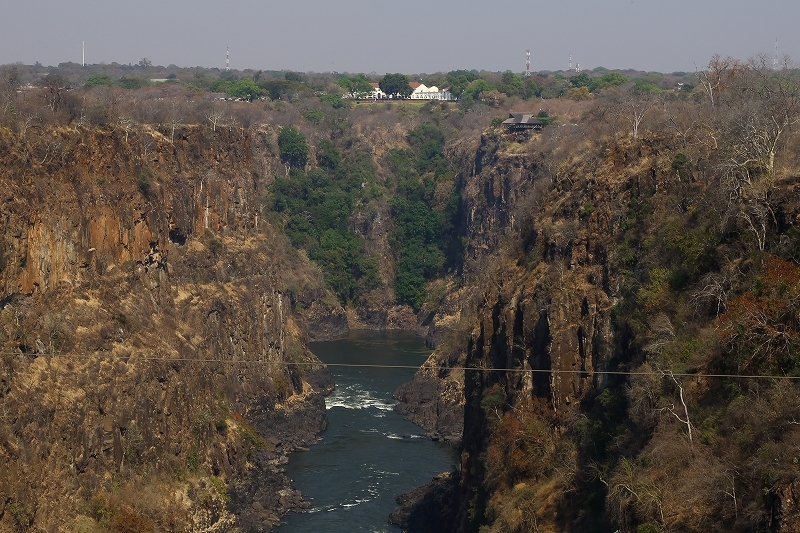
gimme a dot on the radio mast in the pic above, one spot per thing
(527, 63)
(775, 61)
(227, 59)
(570, 62)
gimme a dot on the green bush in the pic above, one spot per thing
(193, 460)
(314, 116)
(494, 398)
(144, 181)
(293, 147)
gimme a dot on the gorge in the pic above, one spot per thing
(611, 303)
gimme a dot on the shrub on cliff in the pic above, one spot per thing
(293, 147)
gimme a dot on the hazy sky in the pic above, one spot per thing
(409, 36)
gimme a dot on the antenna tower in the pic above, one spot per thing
(527, 63)
(83, 59)
(227, 59)
(775, 61)
(570, 62)
(577, 67)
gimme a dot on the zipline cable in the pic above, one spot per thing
(412, 367)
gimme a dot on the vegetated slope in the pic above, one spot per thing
(620, 274)
(376, 214)
(151, 360)
(154, 321)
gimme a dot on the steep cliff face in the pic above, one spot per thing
(549, 313)
(149, 340)
(586, 260)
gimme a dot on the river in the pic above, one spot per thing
(369, 454)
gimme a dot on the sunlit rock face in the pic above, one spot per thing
(151, 346)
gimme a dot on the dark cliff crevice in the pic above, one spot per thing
(540, 357)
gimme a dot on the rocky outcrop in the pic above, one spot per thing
(434, 398)
(430, 508)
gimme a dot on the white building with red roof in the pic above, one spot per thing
(420, 92)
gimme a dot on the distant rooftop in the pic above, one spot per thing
(522, 121)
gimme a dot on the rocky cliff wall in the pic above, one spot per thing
(586, 256)
(552, 313)
(150, 346)
(535, 302)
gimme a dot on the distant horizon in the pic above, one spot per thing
(313, 72)
(363, 36)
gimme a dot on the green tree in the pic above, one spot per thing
(424, 234)
(530, 89)
(314, 116)
(293, 147)
(580, 80)
(395, 85)
(97, 79)
(335, 100)
(512, 84)
(475, 88)
(317, 207)
(553, 86)
(275, 89)
(228, 75)
(544, 117)
(427, 140)
(328, 156)
(611, 79)
(245, 89)
(459, 79)
(221, 86)
(358, 86)
(644, 87)
(293, 77)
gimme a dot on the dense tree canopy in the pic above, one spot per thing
(459, 79)
(395, 85)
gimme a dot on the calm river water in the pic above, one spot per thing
(369, 454)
